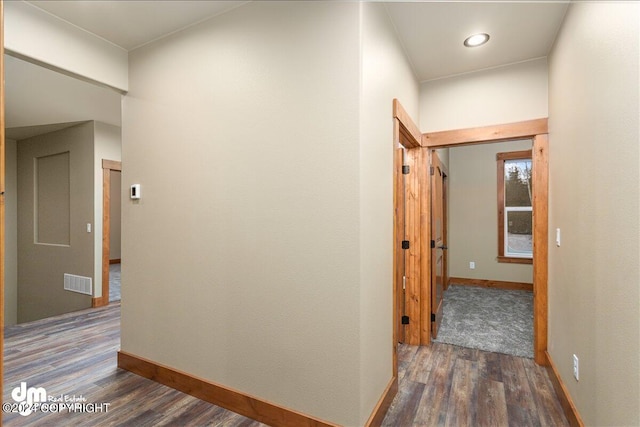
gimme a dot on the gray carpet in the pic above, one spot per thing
(488, 319)
(114, 282)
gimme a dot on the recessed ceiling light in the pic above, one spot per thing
(476, 40)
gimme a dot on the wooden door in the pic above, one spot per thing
(400, 254)
(438, 241)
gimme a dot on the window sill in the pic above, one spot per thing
(514, 260)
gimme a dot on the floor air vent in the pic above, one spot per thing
(78, 284)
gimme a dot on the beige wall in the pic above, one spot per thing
(11, 235)
(594, 298)
(243, 133)
(386, 74)
(108, 145)
(511, 93)
(41, 266)
(115, 215)
(473, 214)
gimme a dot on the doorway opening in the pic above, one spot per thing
(111, 191)
(414, 258)
(489, 305)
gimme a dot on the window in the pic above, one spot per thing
(515, 213)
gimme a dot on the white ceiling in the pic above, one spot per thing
(431, 33)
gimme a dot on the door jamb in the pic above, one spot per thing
(107, 167)
(406, 135)
(537, 130)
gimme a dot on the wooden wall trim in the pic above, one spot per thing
(512, 260)
(540, 168)
(381, 408)
(99, 302)
(569, 408)
(408, 130)
(525, 129)
(497, 284)
(112, 165)
(233, 400)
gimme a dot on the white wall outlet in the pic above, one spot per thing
(558, 237)
(88, 227)
(134, 193)
(472, 265)
(576, 368)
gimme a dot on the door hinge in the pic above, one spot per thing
(405, 244)
(405, 169)
(433, 244)
(404, 282)
(405, 320)
(431, 172)
(433, 317)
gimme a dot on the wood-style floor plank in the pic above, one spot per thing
(76, 354)
(439, 385)
(469, 387)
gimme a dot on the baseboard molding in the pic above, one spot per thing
(569, 408)
(233, 400)
(99, 302)
(497, 284)
(381, 408)
(115, 261)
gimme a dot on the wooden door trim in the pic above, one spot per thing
(486, 134)
(107, 167)
(411, 135)
(540, 167)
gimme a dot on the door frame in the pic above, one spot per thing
(107, 167)
(418, 206)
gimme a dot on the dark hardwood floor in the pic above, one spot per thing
(446, 385)
(75, 354)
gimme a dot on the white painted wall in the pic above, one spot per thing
(245, 249)
(594, 276)
(386, 74)
(40, 37)
(500, 95)
(11, 234)
(108, 145)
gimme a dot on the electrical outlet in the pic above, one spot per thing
(472, 265)
(576, 368)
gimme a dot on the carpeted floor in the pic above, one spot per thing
(488, 319)
(114, 282)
